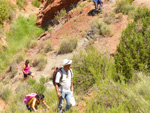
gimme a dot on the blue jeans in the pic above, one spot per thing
(66, 96)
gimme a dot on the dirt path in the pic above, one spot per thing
(76, 27)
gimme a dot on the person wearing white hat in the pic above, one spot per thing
(65, 89)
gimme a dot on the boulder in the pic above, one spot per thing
(50, 9)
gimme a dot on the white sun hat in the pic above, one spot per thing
(66, 62)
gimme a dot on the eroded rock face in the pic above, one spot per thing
(48, 10)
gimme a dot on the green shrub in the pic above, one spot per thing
(21, 3)
(68, 46)
(43, 80)
(133, 50)
(60, 14)
(40, 62)
(6, 94)
(4, 11)
(103, 29)
(50, 29)
(124, 6)
(31, 81)
(36, 3)
(89, 68)
(48, 47)
(38, 88)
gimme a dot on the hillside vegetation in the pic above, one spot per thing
(102, 84)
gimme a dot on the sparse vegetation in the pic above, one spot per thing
(19, 36)
(36, 3)
(109, 18)
(48, 47)
(6, 94)
(43, 80)
(40, 62)
(21, 3)
(67, 46)
(50, 29)
(103, 29)
(33, 44)
(124, 6)
(60, 14)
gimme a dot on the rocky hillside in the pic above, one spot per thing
(75, 21)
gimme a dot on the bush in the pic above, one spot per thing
(31, 81)
(133, 50)
(103, 29)
(38, 88)
(48, 48)
(60, 14)
(124, 6)
(43, 80)
(109, 18)
(36, 3)
(4, 11)
(40, 62)
(89, 68)
(21, 3)
(6, 94)
(68, 46)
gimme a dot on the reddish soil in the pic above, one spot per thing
(76, 27)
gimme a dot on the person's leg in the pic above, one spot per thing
(68, 101)
(96, 5)
(60, 105)
(31, 74)
(25, 77)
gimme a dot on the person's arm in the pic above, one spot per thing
(23, 69)
(46, 105)
(71, 84)
(57, 91)
(57, 80)
(33, 104)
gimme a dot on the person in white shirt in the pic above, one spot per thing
(65, 89)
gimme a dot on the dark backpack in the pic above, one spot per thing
(54, 75)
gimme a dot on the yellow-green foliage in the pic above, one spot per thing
(68, 45)
(21, 33)
(60, 14)
(90, 68)
(21, 3)
(4, 11)
(103, 28)
(124, 6)
(36, 3)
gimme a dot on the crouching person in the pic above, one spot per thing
(64, 85)
(33, 100)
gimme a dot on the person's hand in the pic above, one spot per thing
(48, 108)
(72, 89)
(59, 95)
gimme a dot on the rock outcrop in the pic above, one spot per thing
(49, 9)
